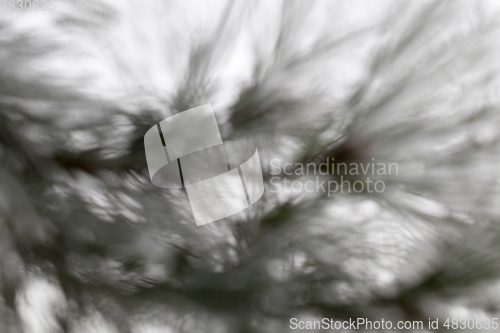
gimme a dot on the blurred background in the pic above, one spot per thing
(88, 244)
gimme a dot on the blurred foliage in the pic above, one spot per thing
(88, 244)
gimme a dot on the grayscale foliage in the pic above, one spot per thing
(88, 244)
